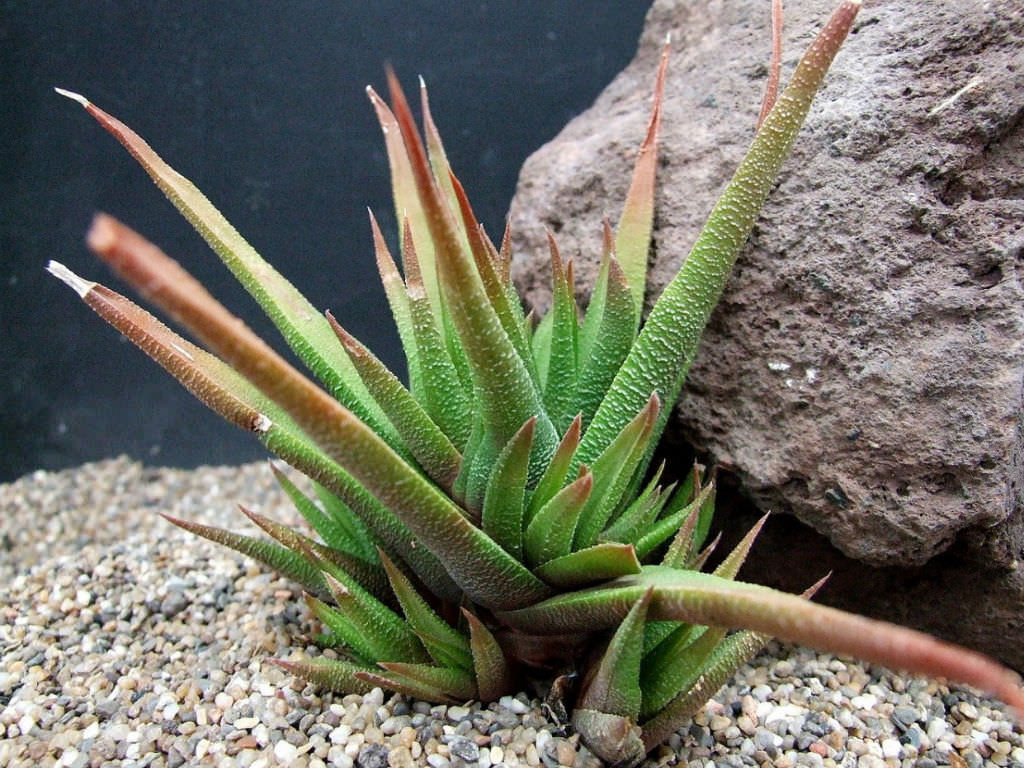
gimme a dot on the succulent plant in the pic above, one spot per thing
(500, 515)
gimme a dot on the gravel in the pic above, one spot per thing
(127, 642)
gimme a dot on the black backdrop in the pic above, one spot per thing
(263, 106)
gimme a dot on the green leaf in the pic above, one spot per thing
(455, 683)
(343, 631)
(613, 337)
(331, 533)
(367, 575)
(332, 674)
(286, 562)
(633, 241)
(502, 516)
(237, 400)
(394, 289)
(562, 372)
(305, 330)
(504, 389)
(407, 204)
(508, 308)
(682, 523)
(662, 354)
(382, 632)
(444, 644)
(361, 540)
(442, 392)
(727, 657)
(615, 686)
(558, 468)
(549, 534)
(732, 563)
(640, 513)
(676, 664)
(587, 566)
(494, 677)
(613, 470)
(702, 598)
(426, 442)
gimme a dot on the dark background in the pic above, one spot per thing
(262, 105)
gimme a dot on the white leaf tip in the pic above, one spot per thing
(73, 96)
(69, 278)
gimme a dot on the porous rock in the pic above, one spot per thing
(863, 371)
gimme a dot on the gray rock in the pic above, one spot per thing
(373, 756)
(863, 371)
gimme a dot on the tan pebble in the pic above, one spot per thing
(819, 748)
(565, 751)
(836, 739)
(532, 758)
(400, 757)
(416, 749)
(784, 761)
(719, 723)
(746, 725)
(38, 749)
(407, 736)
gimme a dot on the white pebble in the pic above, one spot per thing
(338, 758)
(340, 734)
(285, 752)
(891, 748)
(864, 701)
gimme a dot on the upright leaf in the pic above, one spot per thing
(663, 352)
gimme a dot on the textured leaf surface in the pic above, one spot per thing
(615, 687)
(701, 598)
(587, 566)
(445, 645)
(662, 354)
(301, 325)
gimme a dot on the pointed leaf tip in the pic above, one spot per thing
(77, 284)
(73, 96)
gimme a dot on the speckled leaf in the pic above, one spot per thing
(676, 664)
(332, 674)
(633, 240)
(562, 370)
(504, 389)
(701, 598)
(682, 524)
(549, 534)
(615, 686)
(430, 447)
(456, 684)
(558, 468)
(290, 564)
(613, 470)
(301, 325)
(588, 566)
(502, 515)
(494, 677)
(662, 354)
(444, 644)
